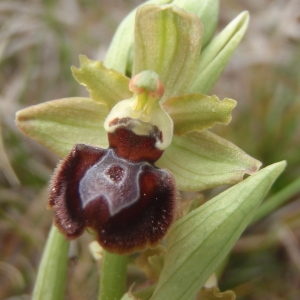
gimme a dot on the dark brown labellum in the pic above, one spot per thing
(130, 204)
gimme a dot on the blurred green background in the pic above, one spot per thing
(40, 40)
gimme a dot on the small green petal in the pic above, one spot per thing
(217, 53)
(118, 56)
(207, 11)
(59, 124)
(167, 41)
(198, 112)
(199, 242)
(105, 85)
(202, 160)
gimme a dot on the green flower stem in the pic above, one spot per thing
(113, 276)
(277, 200)
(52, 274)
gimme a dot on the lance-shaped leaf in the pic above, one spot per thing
(207, 11)
(197, 112)
(202, 160)
(167, 41)
(118, 57)
(105, 85)
(198, 242)
(216, 55)
(59, 124)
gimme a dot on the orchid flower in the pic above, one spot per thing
(156, 127)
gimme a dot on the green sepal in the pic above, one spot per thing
(207, 11)
(217, 53)
(104, 85)
(199, 242)
(167, 41)
(52, 274)
(197, 112)
(202, 160)
(59, 124)
(118, 55)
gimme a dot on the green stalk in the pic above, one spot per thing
(52, 274)
(113, 276)
(277, 200)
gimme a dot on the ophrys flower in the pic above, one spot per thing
(167, 44)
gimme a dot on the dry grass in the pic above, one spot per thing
(40, 40)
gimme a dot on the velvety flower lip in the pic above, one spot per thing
(129, 205)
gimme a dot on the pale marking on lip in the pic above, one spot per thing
(118, 194)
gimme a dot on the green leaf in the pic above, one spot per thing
(119, 52)
(167, 41)
(202, 160)
(105, 85)
(217, 53)
(59, 124)
(197, 112)
(198, 242)
(52, 274)
(207, 11)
